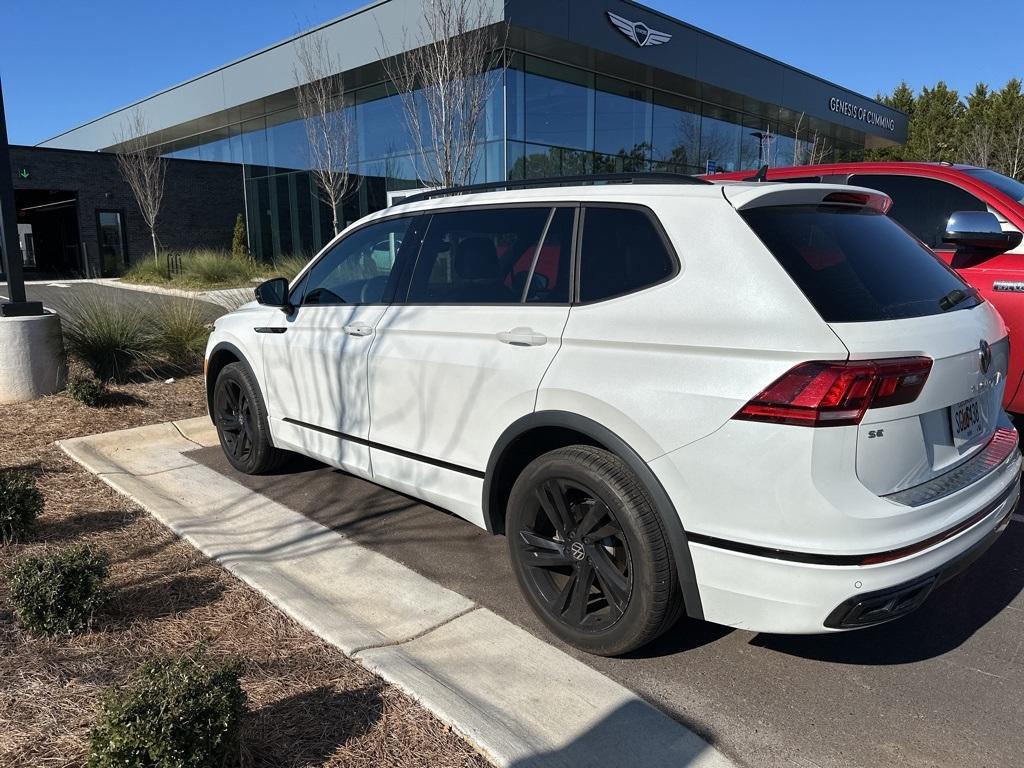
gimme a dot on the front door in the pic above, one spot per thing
(315, 359)
(462, 357)
(110, 228)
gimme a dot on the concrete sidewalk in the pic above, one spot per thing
(520, 700)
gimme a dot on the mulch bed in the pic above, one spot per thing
(309, 704)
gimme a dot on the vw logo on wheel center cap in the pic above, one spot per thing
(577, 551)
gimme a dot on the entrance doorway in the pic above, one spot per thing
(113, 254)
(48, 229)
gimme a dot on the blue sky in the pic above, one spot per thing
(64, 62)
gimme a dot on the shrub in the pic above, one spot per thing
(86, 390)
(20, 504)
(288, 266)
(239, 240)
(216, 269)
(147, 271)
(181, 330)
(173, 713)
(109, 338)
(57, 594)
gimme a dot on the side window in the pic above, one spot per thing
(542, 276)
(481, 256)
(622, 251)
(298, 291)
(921, 205)
(360, 268)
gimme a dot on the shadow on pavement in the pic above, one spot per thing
(950, 616)
(601, 746)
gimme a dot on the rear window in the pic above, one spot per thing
(855, 264)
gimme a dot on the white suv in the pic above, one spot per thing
(763, 405)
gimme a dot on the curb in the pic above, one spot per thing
(224, 297)
(520, 701)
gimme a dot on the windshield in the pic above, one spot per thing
(1004, 184)
(858, 265)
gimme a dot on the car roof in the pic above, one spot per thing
(602, 193)
(555, 194)
(852, 167)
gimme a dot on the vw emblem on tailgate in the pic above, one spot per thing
(985, 354)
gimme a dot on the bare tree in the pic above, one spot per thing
(979, 145)
(444, 83)
(812, 150)
(320, 91)
(143, 169)
(1011, 149)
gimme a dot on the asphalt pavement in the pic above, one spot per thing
(60, 296)
(939, 688)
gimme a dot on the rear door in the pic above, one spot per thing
(462, 357)
(882, 294)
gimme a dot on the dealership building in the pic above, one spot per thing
(590, 87)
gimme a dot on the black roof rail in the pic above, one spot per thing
(558, 181)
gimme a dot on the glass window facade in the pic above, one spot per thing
(543, 119)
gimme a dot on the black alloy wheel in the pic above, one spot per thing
(589, 551)
(234, 420)
(241, 421)
(577, 556)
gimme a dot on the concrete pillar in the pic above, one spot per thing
(32, 362)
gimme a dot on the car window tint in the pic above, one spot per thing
(622, 251)
(359, 268)
(297, 292)
(921, 205)
(548, 269)
(855, 264)
(481, 256)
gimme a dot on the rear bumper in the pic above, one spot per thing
(770, 594)
(892, 603)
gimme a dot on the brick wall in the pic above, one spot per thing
(201, 200)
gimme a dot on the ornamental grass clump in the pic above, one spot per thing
(111, 338)
(20, 504)
(173, 713)
(58, 593)
(215, 269)
(181, 330)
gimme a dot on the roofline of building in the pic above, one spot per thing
(759, 54)
(377, 3)
(312, 30)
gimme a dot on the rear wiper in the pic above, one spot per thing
(954, 297)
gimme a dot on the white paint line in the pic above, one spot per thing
(521, 701)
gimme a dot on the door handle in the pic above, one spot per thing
(358, 329)
(522, 337)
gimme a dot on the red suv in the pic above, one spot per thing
(925, 196)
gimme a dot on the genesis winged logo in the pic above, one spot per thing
(639, 32)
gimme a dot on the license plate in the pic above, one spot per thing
(967, 420)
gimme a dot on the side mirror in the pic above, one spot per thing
(980, 232)
(274, 293)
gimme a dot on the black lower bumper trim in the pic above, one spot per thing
(894, 602)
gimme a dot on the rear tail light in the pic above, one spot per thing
(821, 394)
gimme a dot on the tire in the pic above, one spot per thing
(241, 421)
(589, 551)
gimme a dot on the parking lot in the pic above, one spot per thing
(940, 688)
